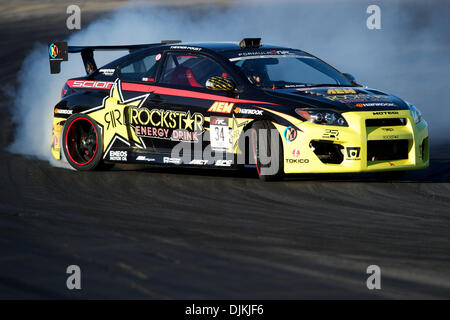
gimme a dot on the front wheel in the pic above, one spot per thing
(267, 150)
(82, 142)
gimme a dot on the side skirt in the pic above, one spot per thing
(138, 156)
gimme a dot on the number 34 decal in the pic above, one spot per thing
(219, 133)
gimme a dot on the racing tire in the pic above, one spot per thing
(82, 143)
(273, 169)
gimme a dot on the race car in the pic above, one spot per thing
(229, 105)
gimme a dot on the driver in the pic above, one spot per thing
(255, 71)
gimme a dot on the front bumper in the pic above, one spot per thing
(389, 141)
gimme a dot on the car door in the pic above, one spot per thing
(137, 78)
(185, 99)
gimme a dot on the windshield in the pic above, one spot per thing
(284, 69)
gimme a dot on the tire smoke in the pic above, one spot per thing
(407, 57)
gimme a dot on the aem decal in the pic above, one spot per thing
(341, 91)
(221, 107)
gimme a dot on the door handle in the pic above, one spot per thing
(156, 98)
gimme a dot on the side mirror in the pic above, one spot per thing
(220, 83)
(349, 76)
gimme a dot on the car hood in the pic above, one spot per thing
(341, 99)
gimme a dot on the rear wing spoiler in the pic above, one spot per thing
(58, 52)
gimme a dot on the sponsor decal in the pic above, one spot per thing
(391, 137)
(158, 56)
(221, 107)
(113, 118)
(107, 72)
(144, 158)
(199, 162)
(237, 125)
(295, 153)
(53, 50)
(331, 134)
(341, 91)
(375, 104)
(262, 53)
(297, 161)
(56, 132)
(110, 116)
(294, 85)
(268, 54)
(90, 67)
(88, 84)
(290, 134)
(353, 153)
(172, 160)
(354, 98)
(118, 155)
(55, 142)
(219, 121)
(254, 112)
(63, 111)
(387, 129)
(219, 133)
(166, 124)
(384, 113)
(223, 163)
(186, 48)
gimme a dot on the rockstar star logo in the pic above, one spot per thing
(111, 116)
(188, 121)
(236, 128)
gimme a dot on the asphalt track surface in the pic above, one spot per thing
(186, 234)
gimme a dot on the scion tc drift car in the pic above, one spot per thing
(162, 97)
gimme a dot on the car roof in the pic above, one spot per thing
(218, 47)
(226, 46)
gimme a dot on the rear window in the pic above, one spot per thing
(140, 69)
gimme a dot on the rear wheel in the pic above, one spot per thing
(82, 142)
(267, 153)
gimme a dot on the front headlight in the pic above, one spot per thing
(417, 115)
(325, 117)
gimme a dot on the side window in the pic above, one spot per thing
(142, 68)
(190, 70)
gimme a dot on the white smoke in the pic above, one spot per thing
(407, 57)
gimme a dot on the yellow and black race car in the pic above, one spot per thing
(227, 105)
